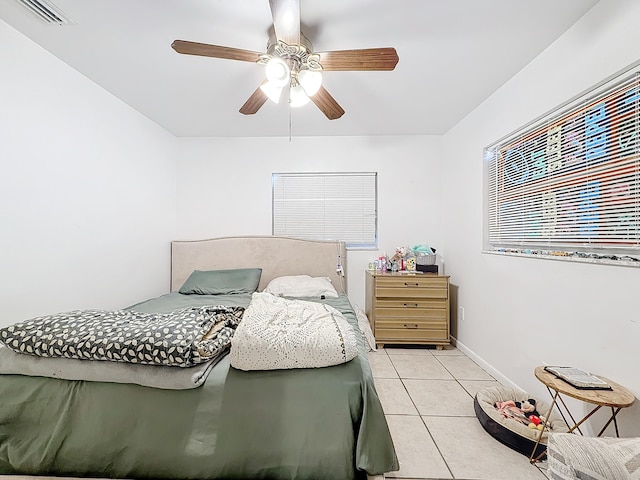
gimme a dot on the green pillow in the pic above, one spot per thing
(221, 282)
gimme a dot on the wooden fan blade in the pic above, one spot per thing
(254, 102)
(286, 20)
(325, 102)
(216, 51)
(365, 59)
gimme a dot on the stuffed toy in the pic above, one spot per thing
(524, 411)
(528, 407)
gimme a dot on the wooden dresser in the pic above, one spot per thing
(406, 308)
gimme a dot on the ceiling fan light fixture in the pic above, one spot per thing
(310, 80)
(272, 91)
(278, 72)
(290, 62)
(297, 96)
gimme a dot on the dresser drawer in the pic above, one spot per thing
(412, 323)
(403, 312)
(411, 303)
(422, 335)
(411, 287)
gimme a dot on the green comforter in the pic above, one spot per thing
(324, 423)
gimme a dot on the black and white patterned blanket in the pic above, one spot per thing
(182, 338)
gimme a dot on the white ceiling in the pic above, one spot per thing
(453, 55)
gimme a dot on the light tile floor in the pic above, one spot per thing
(427, 396)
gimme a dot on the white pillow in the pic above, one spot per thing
(301, 286)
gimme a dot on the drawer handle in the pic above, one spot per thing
(410, 325)
(411, 305)
(411, 284)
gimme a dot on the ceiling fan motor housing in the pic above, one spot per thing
(297, 57)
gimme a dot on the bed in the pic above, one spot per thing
(296, 423)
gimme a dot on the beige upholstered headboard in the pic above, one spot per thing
(277, 256)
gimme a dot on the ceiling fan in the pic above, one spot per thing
(291, 62)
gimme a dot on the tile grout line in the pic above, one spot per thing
(423, 422)
(419, 417)
(427, 427)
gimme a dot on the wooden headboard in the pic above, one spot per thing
(277, 256)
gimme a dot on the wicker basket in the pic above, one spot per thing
(425, 258)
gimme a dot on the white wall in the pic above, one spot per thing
(521, 312)
(224, 187)
(88, 190)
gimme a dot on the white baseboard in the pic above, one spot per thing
(485, 366)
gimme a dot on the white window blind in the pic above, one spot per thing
(569, 184)
(326, 206)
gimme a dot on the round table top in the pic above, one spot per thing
(617, 397)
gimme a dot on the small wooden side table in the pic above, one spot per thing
(617, 398)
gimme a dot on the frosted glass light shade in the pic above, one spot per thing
(310, 80)
(272, 91)
(297, 96)
(278, 72)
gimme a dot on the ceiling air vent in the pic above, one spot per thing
(46, 11)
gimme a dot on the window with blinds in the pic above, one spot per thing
(326, 206)
(568, 185)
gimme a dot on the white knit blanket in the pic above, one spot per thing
(278, 333)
